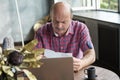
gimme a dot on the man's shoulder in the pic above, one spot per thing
(77, 22)
(78, 25)
(45, 27)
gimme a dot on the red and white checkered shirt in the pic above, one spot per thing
(76, 41)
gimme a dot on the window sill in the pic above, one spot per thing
(110, 17)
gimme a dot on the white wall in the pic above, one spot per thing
(30, 12)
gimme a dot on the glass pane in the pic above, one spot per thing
(81, 3)
(109, 4)
(77, 3)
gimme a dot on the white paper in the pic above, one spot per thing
(52, 54)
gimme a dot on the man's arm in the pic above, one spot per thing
(88, 58)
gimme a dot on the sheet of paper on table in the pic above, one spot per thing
(52, 54)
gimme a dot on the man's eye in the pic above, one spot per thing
(55, 21)
(63, 22)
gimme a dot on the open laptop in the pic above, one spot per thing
(55, 69)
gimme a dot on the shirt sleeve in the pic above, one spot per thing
(85, 39)
(38, 37)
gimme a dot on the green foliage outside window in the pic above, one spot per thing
(109, 4)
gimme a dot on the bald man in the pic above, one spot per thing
(63, 34)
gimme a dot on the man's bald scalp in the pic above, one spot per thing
(61, 5)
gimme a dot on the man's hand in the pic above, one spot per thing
(77, 64)
(89, 58)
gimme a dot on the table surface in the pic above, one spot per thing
(102, 74)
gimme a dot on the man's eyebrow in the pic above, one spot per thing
(61, 21)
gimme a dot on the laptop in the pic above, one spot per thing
(55, 69)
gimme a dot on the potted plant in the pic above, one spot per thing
(15, 61)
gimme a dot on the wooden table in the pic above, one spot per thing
(102, 74)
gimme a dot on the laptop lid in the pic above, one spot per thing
(55, 69)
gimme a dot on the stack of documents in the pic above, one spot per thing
(52, 54)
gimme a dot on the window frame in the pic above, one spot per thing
(96, 6)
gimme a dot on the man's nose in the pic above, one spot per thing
(59, 25)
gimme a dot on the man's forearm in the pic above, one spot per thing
(89, 57)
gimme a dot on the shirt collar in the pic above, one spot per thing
(56, 34)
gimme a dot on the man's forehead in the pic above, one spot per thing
(61, 18)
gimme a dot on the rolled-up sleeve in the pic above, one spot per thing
(85, 40)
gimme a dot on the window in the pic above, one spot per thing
(80, 4)
(83, 4)
(110, 5)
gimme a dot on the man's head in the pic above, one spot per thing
(61, 16)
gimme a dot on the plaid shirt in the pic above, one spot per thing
(76, 41)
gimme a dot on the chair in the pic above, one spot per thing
(41, 22)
